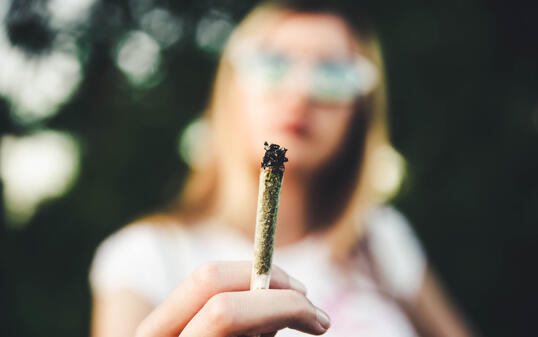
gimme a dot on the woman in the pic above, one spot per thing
(310, 79)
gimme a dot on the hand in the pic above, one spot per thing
(215, 302)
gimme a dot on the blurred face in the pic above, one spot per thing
(293, 89)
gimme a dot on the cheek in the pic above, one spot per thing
(252, 123)
(331, 127)
(259, 114)
(252, 115)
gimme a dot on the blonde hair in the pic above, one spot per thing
(344, 191)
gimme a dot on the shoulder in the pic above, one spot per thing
(135, 240)
(396, 251)
(134, 258)
(387, 223)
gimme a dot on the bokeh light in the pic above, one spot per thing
(36, 86)
(163, 26)
(34, 168)
(69, 12)
(193, 144)
(213, 30)
(138, 57)
(388, 171)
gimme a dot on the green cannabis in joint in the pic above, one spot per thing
(271, 175)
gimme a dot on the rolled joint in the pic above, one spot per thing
(260, 281)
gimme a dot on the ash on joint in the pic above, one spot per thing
(275, 156)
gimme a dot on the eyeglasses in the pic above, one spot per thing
(328, 81)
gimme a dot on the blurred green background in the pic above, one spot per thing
(103, 89)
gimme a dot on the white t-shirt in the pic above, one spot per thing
(152, 260)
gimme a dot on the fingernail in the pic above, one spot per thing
(323, 319)
(297, 285)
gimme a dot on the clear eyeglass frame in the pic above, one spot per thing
(327, 81)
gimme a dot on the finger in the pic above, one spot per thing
(256, 312)
(171, 316)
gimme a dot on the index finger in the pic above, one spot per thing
(171, 316)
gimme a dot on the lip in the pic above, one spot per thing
(296, 128)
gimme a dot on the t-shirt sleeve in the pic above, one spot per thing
(397, 253)
(130, 260)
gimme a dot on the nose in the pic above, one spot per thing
(296, 103)
(300, 79)
(296, 94)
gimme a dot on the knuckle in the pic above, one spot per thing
(139, 332)
(220, 311)
(300, 304)
(296, 297)
(143, 329)
(206, 275)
